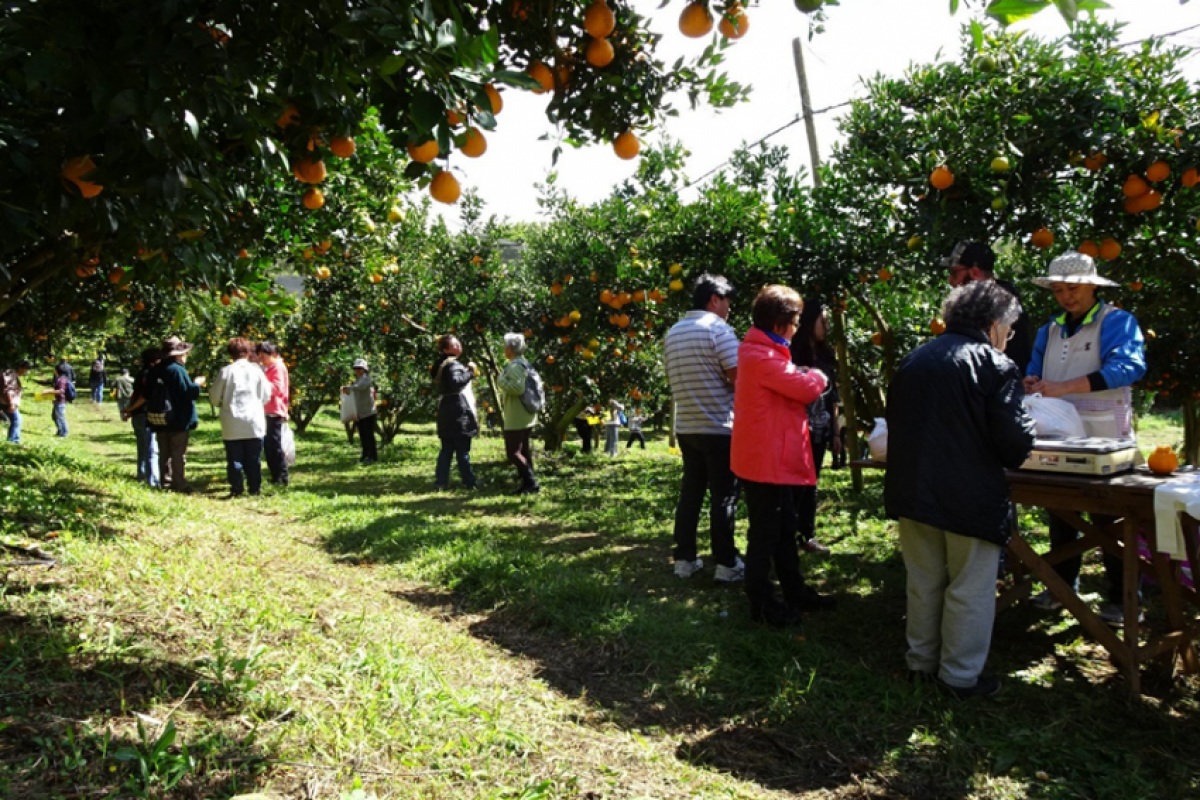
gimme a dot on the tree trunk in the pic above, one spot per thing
(1191, 431)
(848, 401)
(556, 433)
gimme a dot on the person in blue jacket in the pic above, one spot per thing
(182, 393)
(1089, 354)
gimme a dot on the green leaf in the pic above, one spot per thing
(1068, 9)
(953, 7)
(1006, 12)
(391, 65)
(447, 35)
(977, 34)
(427, 111)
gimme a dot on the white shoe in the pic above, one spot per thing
(686, 569)
(732, 574)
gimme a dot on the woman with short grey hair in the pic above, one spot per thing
(518, 420)
(514, 342)
(955, 422)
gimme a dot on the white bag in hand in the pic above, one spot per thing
(288, 442)
(349, 408)
(1054, 418)
(877, 441)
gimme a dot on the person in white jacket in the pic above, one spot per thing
(239, 393)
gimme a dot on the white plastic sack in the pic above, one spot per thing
(1054, 418)
(288, 440)
(349, 411)
(877, 441)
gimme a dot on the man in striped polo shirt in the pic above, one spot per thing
(700, 352)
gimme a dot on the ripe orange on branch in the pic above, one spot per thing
(696, 21)
(494, 98)
(342, 146)
(1088, 248)
(1110, 249)
(313, 199)
(444, 188)
(600, 52)
(734, 22)
(1158, 171)
(424, 152)
(307, 170)
(1042, 238)
(474, 145)
(627, 146)
(941, 178)
(76, 167)
(599, 20)
(1135, 186)
(541, 73)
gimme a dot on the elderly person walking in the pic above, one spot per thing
(276, 372)
(457, 417)
(771, 455)
(518, 420)
(240, 393)
(955, 422)
(362, 391)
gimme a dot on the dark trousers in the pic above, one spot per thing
(706, 469)
(585, 435)
(635, 436)
(459, 448)
(1114, 569)
(273, 447)
(839, 457)
(243, 457)
(520, 455)
(806, 497)
(172, 458)
(366, 433)
(771, 541)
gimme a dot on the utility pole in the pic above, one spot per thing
(839, 315)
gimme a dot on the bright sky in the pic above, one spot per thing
(862, 38)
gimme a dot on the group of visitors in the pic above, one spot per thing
(250, 395)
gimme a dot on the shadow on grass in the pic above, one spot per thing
(53, 683)
(578, 580)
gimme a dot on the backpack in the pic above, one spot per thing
(622, 418)
(534, 396)
(158, 404)
(69, 393)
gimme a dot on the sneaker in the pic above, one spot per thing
(724, 574)
(686, 569)
(1046, 601)
(1113, 614)
(985, 686)
(776, 615)
(812, 600)
(814, 546)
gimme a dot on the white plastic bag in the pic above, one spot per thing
(349, 410)
(877, 441)
(1054, 418)
(288, 442)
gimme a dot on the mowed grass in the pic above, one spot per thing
(362, 632)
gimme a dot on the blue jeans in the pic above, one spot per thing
(459, 446)
(14, 426)
(59, 415)
(244, 457)
(98, 393)
(147, 451)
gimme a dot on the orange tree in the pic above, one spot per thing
(1038, 147)
(142, 135)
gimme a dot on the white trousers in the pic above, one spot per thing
(951, 601)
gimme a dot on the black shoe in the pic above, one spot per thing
(812, 600)
(532, 488)
(776, 615)
(920, 677)
(985, 686)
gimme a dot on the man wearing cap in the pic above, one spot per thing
(10, 398)
(1089, 355)
(182, 393)
(362, 394)
(976, 261)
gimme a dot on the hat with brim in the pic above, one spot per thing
(1072, 267)
(360, 363)
(174, 347)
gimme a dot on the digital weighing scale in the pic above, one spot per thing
(1083, 456)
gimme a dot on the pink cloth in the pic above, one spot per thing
(277, 376)
(770, 425)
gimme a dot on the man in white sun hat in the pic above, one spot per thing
(1089, 355)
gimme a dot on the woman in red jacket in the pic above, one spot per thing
(771, 455)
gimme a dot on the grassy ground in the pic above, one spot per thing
(363, 633)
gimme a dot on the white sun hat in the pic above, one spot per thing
(1072, 267)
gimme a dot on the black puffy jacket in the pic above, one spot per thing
(455, 416)
(955, 422)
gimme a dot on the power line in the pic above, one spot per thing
(1160, 36)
